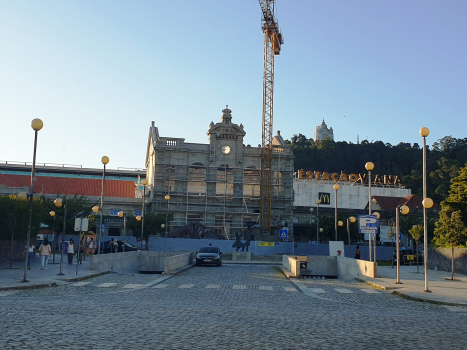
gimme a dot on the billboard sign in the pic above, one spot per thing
(367, 224)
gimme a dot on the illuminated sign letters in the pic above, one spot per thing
(324, 198)
(357, 178)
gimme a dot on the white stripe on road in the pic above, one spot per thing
(162, 285)
(106, 285)
(265, 288)
(343, 290)
(239, 286)
(5, 293)
(131, 286)
(370, 291)
(186, 286)
(213, 286)
(290, 289)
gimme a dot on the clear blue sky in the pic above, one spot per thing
(98, 72)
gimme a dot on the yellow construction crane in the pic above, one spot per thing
(272, 46)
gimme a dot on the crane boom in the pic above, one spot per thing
(272, 46)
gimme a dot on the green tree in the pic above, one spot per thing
(76, 207)
(152, 225)
(416, 232)
(456, 202)
(14, 220)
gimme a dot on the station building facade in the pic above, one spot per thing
(218, 183)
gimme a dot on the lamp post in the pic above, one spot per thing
(369, 166)
(340, 224)
(404, 210)
(167, 198)
(59, 202)
(104, 160)
(36, 125)
(374, 237)
(52, 214)
(352, 219)
(427, 204)
(122, 215)
(336, 187)
(139, 218)
(318, 202)
(424, 132)
(144, 183)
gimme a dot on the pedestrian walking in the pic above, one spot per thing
(31, 251)
(357, 252)
(91, 248)
(45, 252)
(70, 250)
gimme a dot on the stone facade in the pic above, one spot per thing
(217, 184)
(322, 132)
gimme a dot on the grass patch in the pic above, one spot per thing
(383, 263)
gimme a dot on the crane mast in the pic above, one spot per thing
(272, 46)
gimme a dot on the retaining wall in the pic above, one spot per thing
(138, 261)
(441, 259)
(349, 268)
(291, 266)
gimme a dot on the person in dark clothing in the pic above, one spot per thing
(357, 252)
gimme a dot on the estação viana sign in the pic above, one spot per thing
(358, 178)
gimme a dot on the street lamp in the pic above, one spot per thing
(336, 187)
(369, 166)
(167, 198)
(104, 160)
(122, 215)
(58, 203)
(318, 202)
(52, 214)
(424, 132)
(138, 218)
(427, 204)
(340, 224)
(144, 183)
(352, 219)
(36, 125)
(404, 210)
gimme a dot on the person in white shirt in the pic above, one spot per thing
(31, 251)
(70, 250)
(45, 251)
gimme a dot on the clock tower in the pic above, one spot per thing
(226, 140)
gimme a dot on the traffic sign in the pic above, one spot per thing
(284, 233)
(81, 224)
(103, 226)
(367, 224)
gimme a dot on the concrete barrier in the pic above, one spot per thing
(349, 268)
(291, 266)
(177, 262)
(241, 256)
(141, 261)
(441, 259)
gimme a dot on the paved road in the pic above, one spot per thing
(231, 307)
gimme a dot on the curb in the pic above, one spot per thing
(179, 271)
(81, 278)
(409, 297)
(34, 286)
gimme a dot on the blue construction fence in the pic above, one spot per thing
(187, 244)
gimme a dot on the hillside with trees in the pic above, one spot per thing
(445, 158)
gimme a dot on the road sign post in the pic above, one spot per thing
(368, 224)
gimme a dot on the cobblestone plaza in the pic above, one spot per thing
(231, 307)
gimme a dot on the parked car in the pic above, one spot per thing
(209, 255)
(106, 249)
(408, 257)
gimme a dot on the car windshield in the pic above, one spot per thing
(208, 250)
